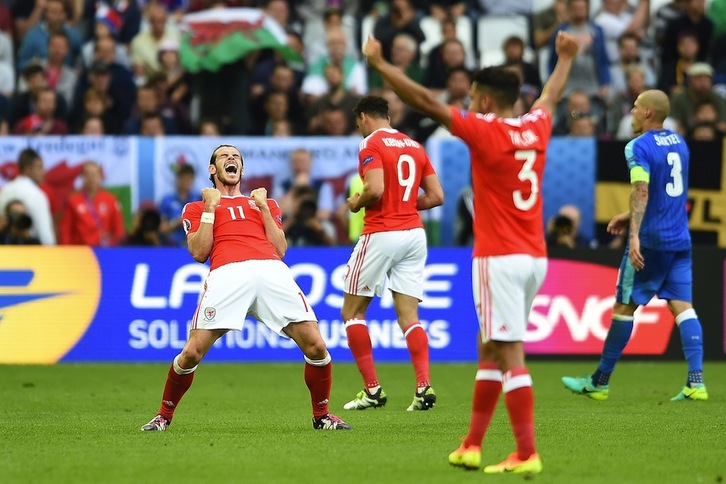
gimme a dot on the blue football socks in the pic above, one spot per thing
(692, 343)
(618, 337)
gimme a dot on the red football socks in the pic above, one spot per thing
(519, 398)
(174, 389)
(487, 387)
(418, 348)
(359, 342)
(319, 379)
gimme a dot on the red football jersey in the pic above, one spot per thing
(239, 232)
(507, 163)
(404, 163)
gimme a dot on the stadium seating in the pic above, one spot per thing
(432, 30)
(492, 31)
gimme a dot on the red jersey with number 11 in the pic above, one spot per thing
(239, 231)
(404, 163)
(507, 163)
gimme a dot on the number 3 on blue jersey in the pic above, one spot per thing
(675, 188)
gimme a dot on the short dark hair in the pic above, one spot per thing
(31, 70)
(514, 40)
(502, 84)
(59, 33)
(627, 36)
(26, 158)
(373, 106)
(185, 169)
(457, 69)
(213, 159)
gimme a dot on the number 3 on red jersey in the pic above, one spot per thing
(526, 174)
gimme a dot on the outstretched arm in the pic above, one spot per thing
(566, 48)
(409, 91)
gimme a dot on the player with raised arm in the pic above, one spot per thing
(509, 257)
(243, 239)
(392, 246)
(657, 257)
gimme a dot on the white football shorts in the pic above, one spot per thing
(504, 289)
(399, 254)
(263, 289)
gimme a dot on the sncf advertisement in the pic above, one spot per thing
(77, 304)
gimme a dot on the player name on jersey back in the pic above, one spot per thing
(400, 142)
(523, 138)
(668, 140)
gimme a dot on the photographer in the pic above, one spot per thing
(17, 226)
(303, 227)
(563, 230)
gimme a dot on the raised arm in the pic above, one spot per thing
(410, 92)
(566, 48)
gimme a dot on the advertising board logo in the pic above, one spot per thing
(572, 312)
(48, 298)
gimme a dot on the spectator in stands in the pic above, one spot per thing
(582, 127)
(301, 167)
(127, 10)
(147, 102)
(510, 7)
(514, 57)
(152, 124)
(17, 225)
(282, 81)
(545, 23)
(673, 72)
(282, 128)
(622, 104)
(333, 18)
(563, 230)
(303, 227)
(403, 56)
(435, 58)
(174, 99)
(276, 108)
(26, 14)
(617, 17)
(146, 229)
(628, 56)
(208, 127)
(699, 90)
(106, 25)
(453, 9)
(146, 44)
(57, 75)
(453, 57)
(97, 104)
(355, 76)
(662, 17)
(92, 216)
(577, 105)
(704, 131)
(26, 188)
(172, 204)
(591, 68)
(400, 19)
(336, 96)
(7, 66)
(44, 120)
(4, 115)
(694, 20)
(113, 107)
(34, 44)
(334, 121)
(92, 126)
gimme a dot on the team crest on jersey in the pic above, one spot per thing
(209, 314)
(187, 224)
(367, 160)
(253, 205)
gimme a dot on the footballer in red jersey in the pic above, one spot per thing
(243, 239)
(392, 247)
(509, 260)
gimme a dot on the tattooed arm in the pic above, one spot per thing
(638, 204)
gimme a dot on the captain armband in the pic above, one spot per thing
(638, 174)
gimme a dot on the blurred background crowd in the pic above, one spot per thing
(95, 67)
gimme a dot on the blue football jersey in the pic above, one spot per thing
(665, 156)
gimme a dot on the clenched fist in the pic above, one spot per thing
(259, 195)
(211, 198)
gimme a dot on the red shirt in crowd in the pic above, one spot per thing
(96, 221)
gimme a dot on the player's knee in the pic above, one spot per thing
(190, 357)
(314, 349)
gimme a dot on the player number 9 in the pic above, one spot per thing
(410, 179)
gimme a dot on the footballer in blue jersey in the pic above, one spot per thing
(657, 258)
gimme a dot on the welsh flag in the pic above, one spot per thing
(212, 38)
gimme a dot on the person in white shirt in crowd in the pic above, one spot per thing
(618, 17)
(25, 188)
(355, 76)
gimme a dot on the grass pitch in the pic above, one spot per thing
(251, 424)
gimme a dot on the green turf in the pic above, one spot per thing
(251, 424)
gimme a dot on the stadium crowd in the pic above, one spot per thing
(95, 67)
